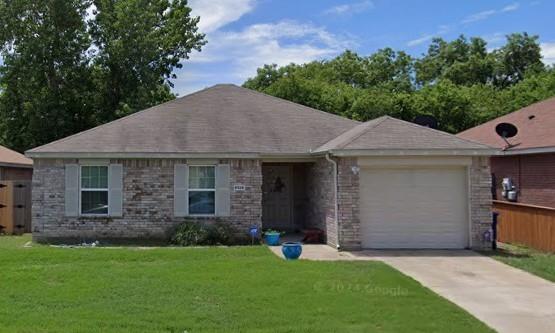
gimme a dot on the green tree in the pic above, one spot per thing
(63, 73)
(519, 57)
(140, 43)
(45, 79)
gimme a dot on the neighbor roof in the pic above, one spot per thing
(535, 124)
(12, 158)
(387, 133)
(227, 119)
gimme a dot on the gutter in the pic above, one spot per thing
(336, 206)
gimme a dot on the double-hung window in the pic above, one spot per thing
(202, 190)
(94, 190)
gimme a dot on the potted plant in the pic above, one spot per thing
(291, 250)
(272, 237)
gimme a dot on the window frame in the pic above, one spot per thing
(81, 189)
(189, 189)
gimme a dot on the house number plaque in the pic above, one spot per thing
(238, 187)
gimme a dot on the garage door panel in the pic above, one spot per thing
(414, 208)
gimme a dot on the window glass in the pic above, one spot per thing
(201, 202)
(94, 202)
(202, 184)
(94, 190)
(94, 177)
(202, 177)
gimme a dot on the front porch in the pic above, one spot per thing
(289, 202)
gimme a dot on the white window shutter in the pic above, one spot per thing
(72, 190)
(180, 190)
(115, 195)
(223, 201)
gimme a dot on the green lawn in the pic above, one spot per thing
(539, 263)
(238, 289)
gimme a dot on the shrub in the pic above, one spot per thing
(191, 233)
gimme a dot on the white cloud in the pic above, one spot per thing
(420, 40)
(441, 30)
(479, 16)
(548, 53)
(350, 8)
(483, 15)
(488, 13)
(215, 14)
(280, 43)
(511, 7)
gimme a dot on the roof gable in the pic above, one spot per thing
(220, 119)
(535, 124)
(387, 133)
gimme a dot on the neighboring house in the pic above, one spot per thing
(234, 155)
(529, 161)
(14, 166)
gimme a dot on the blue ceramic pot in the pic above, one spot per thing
(291, 250)
(272, 239)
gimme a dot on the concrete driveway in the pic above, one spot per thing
(505, 298)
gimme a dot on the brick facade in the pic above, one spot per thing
(322, 208)
(480, 202)
(147, 202)
(533, 175)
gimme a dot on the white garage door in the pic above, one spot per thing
(414, 208)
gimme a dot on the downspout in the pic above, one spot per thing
(336, 206)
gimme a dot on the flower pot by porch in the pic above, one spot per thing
(272, 238)
(291, 250)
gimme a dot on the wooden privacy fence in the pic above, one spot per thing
(530, 225)
(15, 207)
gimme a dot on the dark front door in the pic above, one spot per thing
(276, 197)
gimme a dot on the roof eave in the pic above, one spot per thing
(410, 152)
(528, 151)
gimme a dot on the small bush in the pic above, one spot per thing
(192, 233)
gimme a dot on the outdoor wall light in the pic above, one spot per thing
(355, 170)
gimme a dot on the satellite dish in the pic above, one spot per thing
(505, 131)
(426, 120)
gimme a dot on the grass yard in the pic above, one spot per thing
(539, 263)
(238, 289)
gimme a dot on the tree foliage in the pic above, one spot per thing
(69, 65)
(459, 82)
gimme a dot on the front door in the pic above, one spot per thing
(276, 197)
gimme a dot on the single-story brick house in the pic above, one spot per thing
(529, 161)
(237, 156)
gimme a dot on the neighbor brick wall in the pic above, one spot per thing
(533, 175)
(147, 201)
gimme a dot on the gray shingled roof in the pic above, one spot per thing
(387, 133)
(227, 119)
(220, 119)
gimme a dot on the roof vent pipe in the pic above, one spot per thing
(336, 206)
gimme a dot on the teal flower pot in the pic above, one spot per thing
(291, 250)
(272, 239)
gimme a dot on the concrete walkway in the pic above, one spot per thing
(505, 298)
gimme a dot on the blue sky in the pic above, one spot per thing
(245, 34)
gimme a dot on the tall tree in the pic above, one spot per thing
(69, 65)
(140, 43)
(45, 83)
